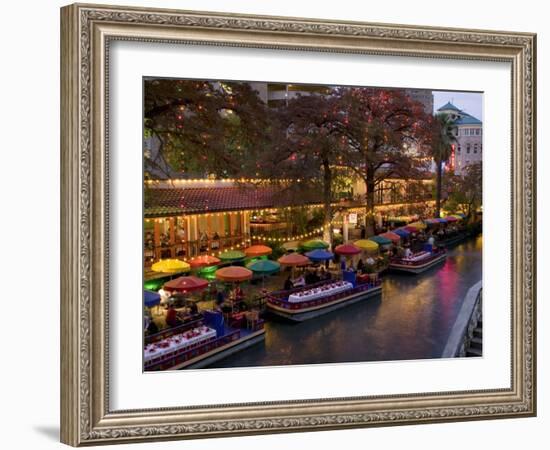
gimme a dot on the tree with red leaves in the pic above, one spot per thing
(375, 133)
(382, 133)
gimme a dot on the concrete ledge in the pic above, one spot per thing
(460, 327)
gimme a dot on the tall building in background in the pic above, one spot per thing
(424, 96)
(469, 137)
(278, 94)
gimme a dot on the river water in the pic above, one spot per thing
(411, 320)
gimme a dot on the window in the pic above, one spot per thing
(475, 148)
(480, 147)
(466, 131)
(467, 148)
(458, 149)
(478, 132)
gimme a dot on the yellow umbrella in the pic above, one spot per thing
(367, 244)
(170, 266)
(418, 225)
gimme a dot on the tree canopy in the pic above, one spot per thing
(204, 127)
(224, 129)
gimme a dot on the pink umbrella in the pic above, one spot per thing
(347, 249)
(411, 229)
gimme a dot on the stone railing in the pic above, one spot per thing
(466, 322)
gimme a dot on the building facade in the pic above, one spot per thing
(423, 96)
(469, 138)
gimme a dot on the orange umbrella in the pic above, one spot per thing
(394, 237)
(204, 261)
(234, 274)
(294, 259)
(258, 250)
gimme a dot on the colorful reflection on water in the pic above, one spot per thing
(412, 320)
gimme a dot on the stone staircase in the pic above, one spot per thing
(475, 347)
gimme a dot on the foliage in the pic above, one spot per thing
(443, 140)
(382, 133)
(312, 147)
(465, 192)
(374, 133)
(204, 127)
(278, 251)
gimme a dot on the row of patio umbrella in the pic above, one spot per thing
(178, 266)
(316, 248)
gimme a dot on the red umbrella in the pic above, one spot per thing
(411, 229)
(234, 274)
(258, 250)
(294, 259)
(185, 284)
(204, 261)
(451, 219)
(347, 249)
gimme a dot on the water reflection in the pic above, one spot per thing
(411, 320)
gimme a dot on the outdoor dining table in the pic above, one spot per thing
(319, 292)
(177, 342)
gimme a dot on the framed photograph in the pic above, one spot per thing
(277, 225)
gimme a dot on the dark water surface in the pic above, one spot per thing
(411, 320)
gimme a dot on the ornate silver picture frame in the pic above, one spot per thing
(87, 31)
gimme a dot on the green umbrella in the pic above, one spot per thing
(380, 240)
(264, 267)
(231, 255)
(314, 244)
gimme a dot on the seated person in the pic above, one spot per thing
(431, 242)
(311, 278)
(239, 294)
(300, 281)
(288, 284)
(152, 328)
(220, 297)
(407, 253)
(172, 319)
(324, 274)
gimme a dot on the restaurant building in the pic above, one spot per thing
(184, 218)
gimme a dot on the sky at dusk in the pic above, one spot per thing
(470, 102)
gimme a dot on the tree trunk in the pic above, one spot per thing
(327, 197)
(369, 210)
(438, 187)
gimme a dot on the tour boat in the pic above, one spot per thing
(199, 343)
(311, 301)
(419, 262)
